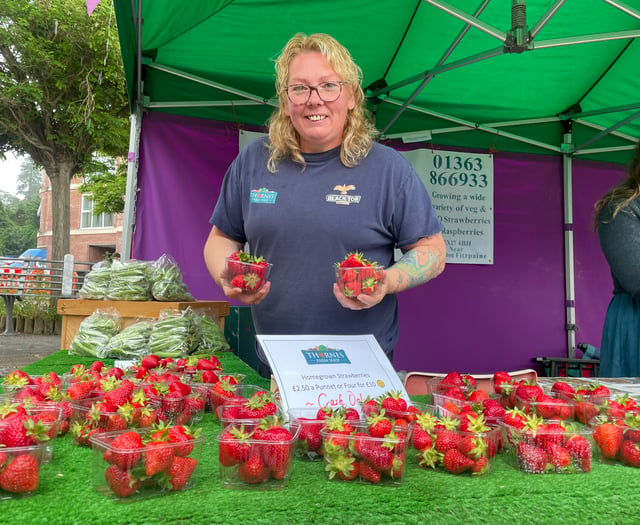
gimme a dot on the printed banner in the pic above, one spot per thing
(329, 370)
(461, 189)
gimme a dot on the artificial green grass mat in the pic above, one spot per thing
(608, 494)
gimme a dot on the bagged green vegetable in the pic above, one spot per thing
(167, 283)
(209, 336)
(129, 281)
(131, 342)
(173, 334)
(96, 282)
(95, 332)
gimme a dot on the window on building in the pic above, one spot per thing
(89, 220)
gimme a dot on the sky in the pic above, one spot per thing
(9, 170)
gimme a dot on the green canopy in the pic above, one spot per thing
(489, 74)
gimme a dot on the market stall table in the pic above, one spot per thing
(608, 494)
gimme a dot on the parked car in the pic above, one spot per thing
(32, 254)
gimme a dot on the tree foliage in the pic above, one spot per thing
(62, 93)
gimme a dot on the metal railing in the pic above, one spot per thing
(39, 278)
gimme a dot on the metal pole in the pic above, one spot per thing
(132, 185)
(570, 303)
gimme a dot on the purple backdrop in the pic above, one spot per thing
(473, 318)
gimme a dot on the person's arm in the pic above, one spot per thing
(421, 262)
(216, 249)
(618, 241)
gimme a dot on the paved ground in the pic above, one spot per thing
(20, 350)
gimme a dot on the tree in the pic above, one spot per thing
(29, 180)
(62, 94)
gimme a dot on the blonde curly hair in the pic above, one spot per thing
(358, 130)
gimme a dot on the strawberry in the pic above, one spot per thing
(309, 438)
(580, 450)
(181, 471)
(79, 390)
(158, 456)
(532, 459)
(456, 462)
(492, 410)
(455, 392)
(379, 425)
(394, 404)
(446, 440)
(477, 396)
(609, 437)
(560, 387)
(630, 453)
(528, 391)
(344, 465)
(253, 470)
(559, 456)
(150, 361)
(451, 379)
(126, 450)
(368, 473)
(377, 454)
(184, 437)
(499, 378)
(237, 281)
(277, 452)
(17, 378)
(352, 289)
(480, 465)
(122, 482)
(233, 447)
(20, 475)
(421, 439)
(473, 446)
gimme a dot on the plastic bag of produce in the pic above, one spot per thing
(173, 334)
(96, 282)
(131, 342)
(95, 332)
(166, 279)
(129, 281)
(209, 336)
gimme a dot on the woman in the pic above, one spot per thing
(318, 189)
(617, 218)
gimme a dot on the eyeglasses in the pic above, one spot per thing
(327, 91)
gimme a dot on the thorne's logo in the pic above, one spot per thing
(263, 196)
(344, 198)
(321, 355)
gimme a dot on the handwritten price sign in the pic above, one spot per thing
(319, 371)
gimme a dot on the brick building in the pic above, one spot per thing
(91, 235)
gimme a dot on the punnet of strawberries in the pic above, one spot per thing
(541, 446)
(357, 275)
(245, 271)
(20, 470)
(371, 451)
(139, 463)
(258, 457)
(465, 445)
(312, 421)
(247, 405)
(617, 437)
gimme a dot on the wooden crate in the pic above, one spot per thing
(74, 311)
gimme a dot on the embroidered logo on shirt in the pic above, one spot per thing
(322, 355)
(344, 197)
(263, 196)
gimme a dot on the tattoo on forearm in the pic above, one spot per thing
(417, 267)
